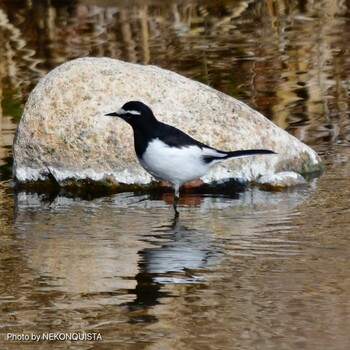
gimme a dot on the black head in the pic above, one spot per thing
(135, 113)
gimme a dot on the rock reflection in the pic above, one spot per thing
(67, 241)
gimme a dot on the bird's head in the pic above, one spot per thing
(134, 113)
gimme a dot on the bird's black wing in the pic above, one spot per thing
(174, 137)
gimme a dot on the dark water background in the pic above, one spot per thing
(256, 270)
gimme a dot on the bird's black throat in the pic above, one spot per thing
(141, 141)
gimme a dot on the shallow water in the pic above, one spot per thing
(254, 270)
(264, 270)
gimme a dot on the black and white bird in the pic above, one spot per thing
(169, 154)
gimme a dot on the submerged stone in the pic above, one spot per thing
(278, 181)
(64, 135)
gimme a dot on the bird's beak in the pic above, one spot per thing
(113, 114)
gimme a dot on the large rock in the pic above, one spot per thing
(64, 135)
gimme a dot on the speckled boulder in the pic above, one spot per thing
(65, 135)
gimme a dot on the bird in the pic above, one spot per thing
(168, 153)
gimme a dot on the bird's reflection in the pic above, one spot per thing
(175, 257)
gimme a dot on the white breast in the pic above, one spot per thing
(176, 165)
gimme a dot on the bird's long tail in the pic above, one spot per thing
(248, 152)
(214, 156)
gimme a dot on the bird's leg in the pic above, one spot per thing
(176, 199)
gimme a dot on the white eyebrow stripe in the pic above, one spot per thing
(123, 111)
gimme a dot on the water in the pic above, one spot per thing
(250, 270)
